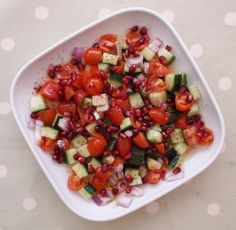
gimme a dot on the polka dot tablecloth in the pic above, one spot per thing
(28, 201)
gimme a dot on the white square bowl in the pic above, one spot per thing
(117, 23)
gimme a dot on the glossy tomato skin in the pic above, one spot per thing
(94, 86)
(181, 122)
(119, 68)
(181, 101)
(159, 116)
(141, 141)
(69, 107)
(157, 69)
(74, 183)
(124, 146)
(153, 177)
(207, 137)
(93, 56)
(115, 115)
(79, 96)
(190, 136)
(123, 104)
(96, 146)
(156, 84)
(120, 92)
(47, 116)
(100, 178)
(47, 144)
(160, 148)
(107, 43)
(50, 90)
(69, 92)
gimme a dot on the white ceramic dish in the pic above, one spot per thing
(117, 23)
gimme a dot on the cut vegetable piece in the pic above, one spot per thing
(37, 103)
(102, 108)
(108, 160)
(156, 127)
(181, 148)
(87, 191)
(184, 79)
(171, 154)
(91, 128)
(68, 156)
(56, 121)
(83, 151)
(157, 98)
(153, 164)
(80, 170)
(103, 66)
(134, 173)
(194, 90)
(170, 81)
(78, 141)
(115, 79)
(194, 110)
(49, 132)
(137, 156)
(111, 143)
(154, 137)
(177, 136)
(126, 124)
(148, 54)
(168, 55)
(99, 100)
(95, 163)
(109, 58)
(87, 102)
(136, 100)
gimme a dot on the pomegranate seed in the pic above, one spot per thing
(197, 118)
(190, 98)
(144, 128)
(115, 152)
(113, 68)
(110, 129)
(134, 28)
(164, 135)
(90, 168)
(85, 133)
(127, 156)
(115, 191)
(102, 123)
(103, 192)
(163, 174)
(135, 131)
(76, 156)
(140, 119)
(79, 130)
(141, 41)
(131, 50)
(63, 133)
(96, 45)
(127, 54)
(190, 121)
(81, 160)
(165, 160)
(51, 73)
(54, 157)
(183, 89)
(166, 144)
(70, 135)
(143, 30)
(177, 170)
(73, 61)
(125, 81)
(60, 160)
(137, 83)
(144, 110)
(57, 152)
(147, 118)
(115, 128)
(138, 112)
(128, 189)
(107, 153)
(123, 184)
(73, 76)
(104, 167)
(34, 115)
(163, 60)
(169, 48)
(132, 68)
(201, 123)
(122, 135)
(151, 123)
(71, 124)
(136, 53)
(129, 178)
(98, 129)
(63, 82)
(107, 136)
(169, 130)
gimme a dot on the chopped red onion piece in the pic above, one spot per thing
(136, 191)
(154, 46)
(140, 77)
(120, 175)
(113, 180)
(146, 67)
(124, 201)
(128, 133)
(96, 115)
(100, 200)
(118, 168)
(119, 51)
(64, 124)
(37, 131)
(122, 185)
(173, 177)
(110, 193)
(78, 52)
(135, 60)
(30, 122)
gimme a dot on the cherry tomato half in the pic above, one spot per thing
(153, 177)
(47, 144)
(107, 43)
(141, 141)
(181, 122)
(115, 115)
(47, 116)
(93, 56)
(182, 103)
(96, 146)
(50, 90)
(207, 137)
(124, 146)
(94, 86)
(159, 116)
(74, 183)
(157, 69)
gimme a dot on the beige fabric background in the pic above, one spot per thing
(28, 201)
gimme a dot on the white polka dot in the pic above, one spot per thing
(7, 44)
(152, 208)
(196, 50)
(230, 19)
(168, 15)
(5, 108)
(103, 12)
(225, 83)
(3, 171)
(29, 203)
(213, 209)
(41, 12)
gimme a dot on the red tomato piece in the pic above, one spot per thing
(120, 92)
(96, 146)
(47, 144)
(123, 104)
(118, 160)
(107, 43)
(93, 56)
(159, 116)
(181, 122)
(115, 115)
(153, 177)
(50, 90)
(156, 84)
(79, 96)
(124, 146)
(74, 183)
(207, 137)
(47, 116)
(182, 103)
(83, 117)
(157, 69)
(190, 136)
(141, 141)
(119, 68)
(69, 92)
(69, 107)
(160, 148)
(94, 86)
